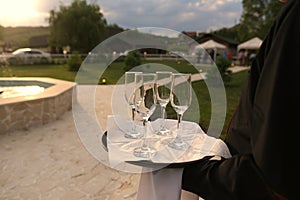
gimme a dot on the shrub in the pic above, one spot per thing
(74, 62)
(212, 75)
(223, 64)
(132, 60)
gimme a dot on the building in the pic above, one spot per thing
(229, 43)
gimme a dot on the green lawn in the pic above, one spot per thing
(52, 71)
(116, 70)
(233, 92)
(112, 73)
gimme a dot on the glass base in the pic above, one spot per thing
(144, 152)
(178, 144)
(163, 132)
(134, 135)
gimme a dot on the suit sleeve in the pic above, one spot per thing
(225, 179)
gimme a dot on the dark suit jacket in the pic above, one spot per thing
(264, 129)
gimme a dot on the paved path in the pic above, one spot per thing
(235, 69)
(50, 162)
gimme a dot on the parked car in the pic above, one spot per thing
(28, 56)
(2, 60)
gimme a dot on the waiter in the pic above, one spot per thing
(264, 126)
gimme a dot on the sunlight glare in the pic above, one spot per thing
(17, 10)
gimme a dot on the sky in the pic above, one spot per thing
(178, 15)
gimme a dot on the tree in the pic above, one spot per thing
(112, 29)
(228, 32)
(80, 26)
(257, 18)
(1, 32)
(272, 11)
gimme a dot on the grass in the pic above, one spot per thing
(116, 70)
(52, 71)
(112, 73)
(233, 92)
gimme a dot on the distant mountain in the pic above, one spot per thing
(16, 37)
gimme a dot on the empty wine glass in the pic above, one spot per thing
(163, 92)
(131, 79)
(181, 98)
(145, 103)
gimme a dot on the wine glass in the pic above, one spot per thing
(163, 92)
(131, 79)
(145, 103)
(181, 99)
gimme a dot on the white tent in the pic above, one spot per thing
(253, 43)
(211, 44)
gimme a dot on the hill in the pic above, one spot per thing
(19, 36)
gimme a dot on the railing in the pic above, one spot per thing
(62, 58)
(161, 57)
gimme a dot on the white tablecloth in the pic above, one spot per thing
(163, 183)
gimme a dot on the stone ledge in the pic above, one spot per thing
(20, 113)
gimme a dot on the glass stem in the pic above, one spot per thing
(132, 113)
(163, 113)
(144, 144)
(133, 117)
(179, 117)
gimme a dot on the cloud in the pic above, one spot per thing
(179, 15)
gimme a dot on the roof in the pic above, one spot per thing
(203, 37)
(190, 33)
(253, 43)
(211, 44)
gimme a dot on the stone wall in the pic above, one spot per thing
(23, 115)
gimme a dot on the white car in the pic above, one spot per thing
(28, 56)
